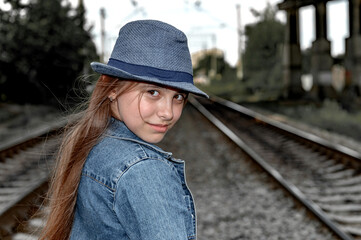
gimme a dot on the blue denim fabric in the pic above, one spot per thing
(131, 189)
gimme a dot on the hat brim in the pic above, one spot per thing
(116, 72)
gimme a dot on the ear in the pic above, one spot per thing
(113, 95)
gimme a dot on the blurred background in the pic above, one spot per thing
(300, 59)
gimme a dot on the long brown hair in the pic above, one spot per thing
(79, 138)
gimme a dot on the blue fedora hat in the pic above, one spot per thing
(151, 51)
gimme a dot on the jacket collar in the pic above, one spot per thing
(118, 129)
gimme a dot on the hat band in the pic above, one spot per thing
(145, 71)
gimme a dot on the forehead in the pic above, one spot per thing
(148, 86)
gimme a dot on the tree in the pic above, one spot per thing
(43, 49)
(262, 57)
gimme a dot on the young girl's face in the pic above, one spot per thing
(149, 110)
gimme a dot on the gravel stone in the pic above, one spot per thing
(234, 199)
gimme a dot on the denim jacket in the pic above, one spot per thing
(130, 189)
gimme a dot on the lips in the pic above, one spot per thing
(161, 128)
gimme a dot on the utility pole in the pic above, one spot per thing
(213, 56)
(239, 34)
(102, 34)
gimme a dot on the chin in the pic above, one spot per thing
(154, 140)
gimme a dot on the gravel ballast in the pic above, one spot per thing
(234, 199)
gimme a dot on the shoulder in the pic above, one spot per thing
(112, 157)
(150, 177)
(150, 170)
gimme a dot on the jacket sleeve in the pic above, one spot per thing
(150, 202)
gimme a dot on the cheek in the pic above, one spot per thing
(177, 111)
(146, 109)
(127, 109)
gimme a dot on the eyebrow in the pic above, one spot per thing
(150, 85)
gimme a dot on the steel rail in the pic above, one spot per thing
(8, 147)
(18, 209)
(9, 216)
(287, 128)
(292, 189)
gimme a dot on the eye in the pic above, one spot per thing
(179, 97)
(154, 93)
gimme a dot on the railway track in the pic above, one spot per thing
(25, 164)
(323, 176)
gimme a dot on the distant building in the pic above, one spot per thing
(197, 56)
(204, 74)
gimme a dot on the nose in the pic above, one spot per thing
(165, 110)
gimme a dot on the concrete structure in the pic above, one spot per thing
(353, 46)
(292, 58)
(321, 60)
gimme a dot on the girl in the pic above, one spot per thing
(111, 181)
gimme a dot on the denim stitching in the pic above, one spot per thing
(96, 180)
(168, 154)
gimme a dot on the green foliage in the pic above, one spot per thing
(262, 57)
(223, 82)
(210, 62)
(43, 49)
(230, 90)
(262, 63)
